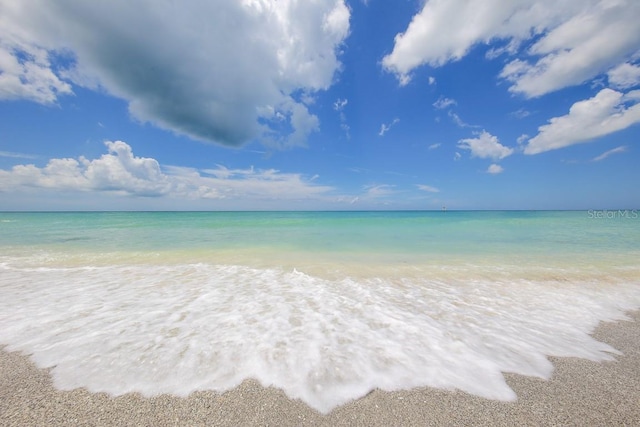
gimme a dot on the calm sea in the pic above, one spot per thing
(324, 305)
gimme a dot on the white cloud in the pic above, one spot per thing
(459, 122)
(377, 191)
(583, 46)
(224, 71)
(521, 113)
(444, 102)
(574, 41)
(428, 188)
(509, 49)
(118, 171)
(621, 149)
(14, 155)
(346, 129)
(434, 146)
(121, 173)
(340, 104)
(432, 80)
(25, 73)
(385, 128)
(442, 31)
(624, 76)
(607, 112)
(495, 169)
(485, 146)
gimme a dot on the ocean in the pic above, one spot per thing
(326, 306)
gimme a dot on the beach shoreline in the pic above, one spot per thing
(580, 392)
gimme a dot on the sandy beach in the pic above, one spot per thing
(580, 392)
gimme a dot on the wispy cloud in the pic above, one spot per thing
(385, 128)
(339, 105)
(358, 170)
(375, 191)
(427, 188)
(621, 149)
(521, 113)
(434, 146)
(459, 122)
(13, 155)
(443, 103)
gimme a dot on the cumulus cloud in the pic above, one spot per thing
(120, 172)
(621, 149)
(495, 169)
(607, 112)
(485, 146)
(227, 71)
(572, 41)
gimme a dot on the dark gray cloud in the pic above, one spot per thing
(221, 71)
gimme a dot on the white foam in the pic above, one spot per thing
(179, 328)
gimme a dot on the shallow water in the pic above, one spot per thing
(324, 305)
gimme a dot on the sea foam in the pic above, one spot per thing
(179, 328)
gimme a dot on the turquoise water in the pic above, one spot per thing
(325, 305)
(412, 236)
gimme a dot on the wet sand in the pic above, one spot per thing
(580, 393)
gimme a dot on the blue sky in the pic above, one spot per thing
(325, 104)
